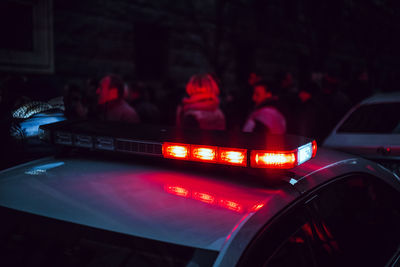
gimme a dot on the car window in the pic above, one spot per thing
(381, 118)
(282, 243)
(355, 222)
(351, 222)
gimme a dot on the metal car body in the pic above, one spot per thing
(188, 207)
(370, 129)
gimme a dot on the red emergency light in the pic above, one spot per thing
(221, 155)
(176, 151)
(233, 156)
(217, 147)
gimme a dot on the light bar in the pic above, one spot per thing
(283, 159)
(176, 151)
(250, 150)
(238, 157)
(233, 156)
(204, 153)
(279, 160)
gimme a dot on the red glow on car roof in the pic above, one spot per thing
(177, 190)
(213, 199)
(257, 207)
(231, 205)
(203, 197)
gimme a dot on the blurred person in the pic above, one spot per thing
(75, 102)
(360, 88)
(287, 91)
(239, 103)
(265, 118)
(168, 102)
(141, 98)
(254, 78)
(201, 108)
(333, 105)
(90, 91)
(111, 104)
(307, 115)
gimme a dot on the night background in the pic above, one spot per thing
(47, 46)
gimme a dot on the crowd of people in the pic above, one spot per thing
(276, 106)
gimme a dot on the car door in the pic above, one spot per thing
(352, 221)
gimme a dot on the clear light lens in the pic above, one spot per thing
(304, 153)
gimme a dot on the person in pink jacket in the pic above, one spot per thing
(265, 118)
(201, 108)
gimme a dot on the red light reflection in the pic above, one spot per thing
(230, 205)
(208, 198)
(256, 207)
(177, 190)
(203, 197)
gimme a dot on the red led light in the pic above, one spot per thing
(203, 197)
(268, 159)
(177, 190)
(233, 156)
(204, 153)
(314, 148)
(230, 205)
(176, 151)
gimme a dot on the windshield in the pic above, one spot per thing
(381, 118)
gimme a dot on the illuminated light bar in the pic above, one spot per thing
(314, 148)
(251, 150)
(304, 153)
(203, 197)
(204, 153)
(176, 151)
(177, 190)
(282, 159)
(233, 156)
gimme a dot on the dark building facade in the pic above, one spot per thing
(157, 41)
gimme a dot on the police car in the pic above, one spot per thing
(125, 195)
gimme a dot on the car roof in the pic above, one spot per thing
(134, 199)
(382, 98)
(140, 199)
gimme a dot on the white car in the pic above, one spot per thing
(372, 130)
(157, 197)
